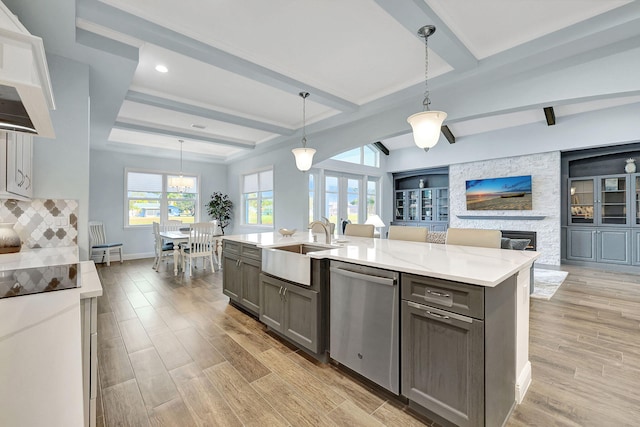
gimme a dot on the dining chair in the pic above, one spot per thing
(474, 237)
(162, 249)
(413, 234)
(201, 245)
(98, 242)
(359, 230)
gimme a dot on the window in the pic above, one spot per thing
(150, 199)
(342, 196)
(257, 198)
(365, 155)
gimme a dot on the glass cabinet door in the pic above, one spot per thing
(399, 215)
(582, 201)
(426, 205)
(613, 200)
(442, 197)
(413, 200)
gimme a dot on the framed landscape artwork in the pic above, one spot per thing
(508, 193)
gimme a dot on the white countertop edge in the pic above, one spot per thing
(465, 264)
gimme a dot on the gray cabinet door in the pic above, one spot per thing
(231, 275)
(614, 246)
(443, 363)
(271, 302)
(250, 283)
(301, 318)
(581, 244)
(635, 243)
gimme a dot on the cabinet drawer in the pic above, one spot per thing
(467, 300)
(251, 251)
(230, 246)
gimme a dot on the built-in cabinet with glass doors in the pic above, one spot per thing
(603, 221)
(421, 198)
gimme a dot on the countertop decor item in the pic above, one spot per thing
(9, 239)
(630, 167)
(427, 124)
(286, 232)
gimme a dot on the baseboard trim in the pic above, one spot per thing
(523, 382)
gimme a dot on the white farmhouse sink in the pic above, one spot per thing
(291, 262)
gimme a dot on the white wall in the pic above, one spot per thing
(61, 165)
(107, 194)
(544, 169)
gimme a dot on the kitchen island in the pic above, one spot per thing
(485, 288)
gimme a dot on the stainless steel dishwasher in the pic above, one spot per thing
(364, 322)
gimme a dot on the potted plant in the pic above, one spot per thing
(219, 208)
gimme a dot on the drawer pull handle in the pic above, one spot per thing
(438, 294)
(436, 315)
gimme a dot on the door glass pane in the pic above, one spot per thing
(581, 201)
(353, 202)
(371, 197)
(443, 204)
(613, 198)
(331, 198)
(399, 205)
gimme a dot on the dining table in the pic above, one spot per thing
(177, 237)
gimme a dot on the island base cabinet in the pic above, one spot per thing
(443, 363)
(290, 310)
(241, 267)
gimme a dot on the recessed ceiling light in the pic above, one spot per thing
(197, 126)
(161, 68)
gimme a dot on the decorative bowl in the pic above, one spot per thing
(286, 232)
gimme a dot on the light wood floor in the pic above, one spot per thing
(173, 352)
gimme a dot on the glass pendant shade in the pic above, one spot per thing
(426, 127)
(304, 158)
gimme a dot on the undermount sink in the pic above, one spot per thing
(291, 262)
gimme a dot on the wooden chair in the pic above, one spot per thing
(474, 237)
(162, 249)
(359, 230)
(412, 234)
(201, 245)
(98, 242)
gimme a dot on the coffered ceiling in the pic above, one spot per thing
(235, 67)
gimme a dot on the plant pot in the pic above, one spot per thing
(9, 239)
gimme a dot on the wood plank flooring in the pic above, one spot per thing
(173, 352)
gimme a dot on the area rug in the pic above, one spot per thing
(546, 282)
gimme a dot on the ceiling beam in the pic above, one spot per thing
(549, 115)
(107, 16)
(448, 134)
(181, 134)
(181, 107)
(381, 147)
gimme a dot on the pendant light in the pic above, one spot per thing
(180, 182)
(426, 124)
(304, 155)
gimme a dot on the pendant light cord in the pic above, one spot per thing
(181, 141)
(426, 100)
(304, 96)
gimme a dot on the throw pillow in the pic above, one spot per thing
(505, 243)
(436, 237)
(519, 244)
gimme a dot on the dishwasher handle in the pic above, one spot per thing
(387, 281)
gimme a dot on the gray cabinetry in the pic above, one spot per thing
(291, 310)
(421, 198)
(602, 218)
(241, 274)
(635, 244)
(89, 328)
(458, 363)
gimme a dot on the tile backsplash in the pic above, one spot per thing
(42, 223)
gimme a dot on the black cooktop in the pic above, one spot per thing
(27, 281)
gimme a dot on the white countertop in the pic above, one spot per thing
(477, 266)
(40, 349)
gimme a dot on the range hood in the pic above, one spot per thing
(25, 86)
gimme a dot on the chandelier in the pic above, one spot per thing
(180, 182)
